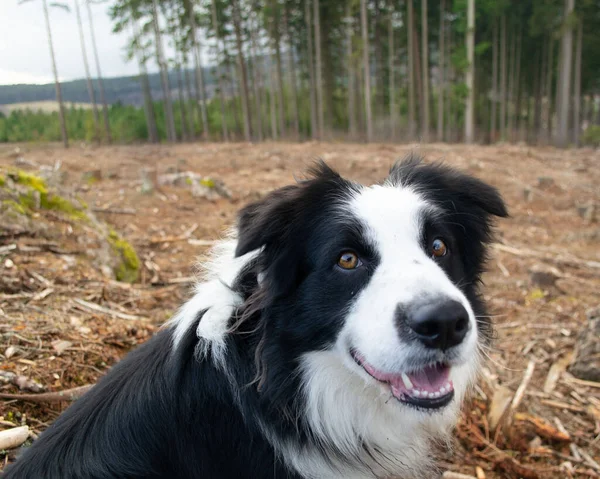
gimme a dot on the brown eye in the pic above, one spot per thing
(348, 260)
(438, 248)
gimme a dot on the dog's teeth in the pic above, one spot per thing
(407, 383)
(443, 390)
(430, 395)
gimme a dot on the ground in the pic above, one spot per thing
(544, 274)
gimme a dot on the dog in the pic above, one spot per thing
(335, 334)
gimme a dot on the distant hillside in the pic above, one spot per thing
(127, 90)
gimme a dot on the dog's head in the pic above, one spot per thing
(370, 295)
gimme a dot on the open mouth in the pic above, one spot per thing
(428, 388)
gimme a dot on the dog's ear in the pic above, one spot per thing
(267, 221)
(480, 194)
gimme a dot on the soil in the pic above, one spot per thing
(544, 274)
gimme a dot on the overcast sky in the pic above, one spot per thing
(24, 52)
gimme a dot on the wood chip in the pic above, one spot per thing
(480, 473)
(11, 438)
(556, 371)
(543, 428)
(523, 386)
(582, 382)
(562, 405)
(61, 345)
(100, 309)
(42, 294)
(456, 475)
(500, 402)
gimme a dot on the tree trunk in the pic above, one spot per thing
(418, 77)
(470, 38)
(272, 106)
(256, 80)
(219, 73)
(164, 75)
(292, 74)
(279, 77)
(188, 89)
(182, 113)
(425, 47)
(577, 85)
(237, 25)
(564, 84)
(449, 95)
(88, 77)
(550, 71)
(351, 76)
(314, 126)
(107, 132)
(392, 82)
(442, 70)
(516, 85)
(196, 48)
(503, 77)
(366, 68)
(539, 94)
(411, 71)
(61, 108)
(494, 83)
(320, 103)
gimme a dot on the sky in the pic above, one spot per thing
(24, 51)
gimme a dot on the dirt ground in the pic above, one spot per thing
(52, 333)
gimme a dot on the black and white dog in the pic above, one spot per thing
(334, 336)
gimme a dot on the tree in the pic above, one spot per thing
(243, 76)
(425, 47)
(564, 84)
(577, 85)
(441, 68)
(503, 78)
(410, 70)
(291, 72)
(470, 39)
(107, 131)
(494, 113)
(366, 68)
(312, 85)
(61, 108)
(220, 83)
(319, 73)
(392, 82)
(86, 67)
(350, 71)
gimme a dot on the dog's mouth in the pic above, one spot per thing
(427, 388)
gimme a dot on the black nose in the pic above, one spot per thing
(441, 325)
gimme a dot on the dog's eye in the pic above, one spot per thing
(438, 248)
(348, 260)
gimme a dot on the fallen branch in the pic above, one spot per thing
(523, 386)
(115, 211)
(100, 309)
(51, 397)
(456, 475)
(568, 261)
(14, 437)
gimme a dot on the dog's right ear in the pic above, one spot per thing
(268, 221)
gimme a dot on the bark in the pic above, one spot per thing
(219, 72)
(449, 97)
(577, 86)
(377, 76)
(564, 84)
(256, 82)
(442, 70)
(272, 106)
(164, 75)
(198, 67)
(392, 81)
(61, 108)
(243, 80)
(88, 76)
(188, 89)
(517, 83)
(146, 91)
(470, 38)
(185, 136)
(279, 77)
(366, 65)
(319, 72)
(539, 92)
(411, 71)
(292, 74)
(314, 126)
(425, 46)
(494, 104)
(107, 132)
(503, 78)
(351, 75)
(550, 70)
(418, 77)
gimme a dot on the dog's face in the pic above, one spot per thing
(373, 291)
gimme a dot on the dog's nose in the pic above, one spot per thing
(440, 325)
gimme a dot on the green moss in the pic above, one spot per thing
(2, 180)
(188, 181)
(128, 269)
(208, 182)
(58, 203)
(34, 182)
(15, 207)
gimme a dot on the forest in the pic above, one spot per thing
(362, 70)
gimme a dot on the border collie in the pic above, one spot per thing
(334, 335)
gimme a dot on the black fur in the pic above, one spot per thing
(165, 413)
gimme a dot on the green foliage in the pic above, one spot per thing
(591, 136)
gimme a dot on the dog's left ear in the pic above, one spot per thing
(268, 221)
(480, 194)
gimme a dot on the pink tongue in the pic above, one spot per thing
(430, 379)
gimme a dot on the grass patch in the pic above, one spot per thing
(129, 267)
